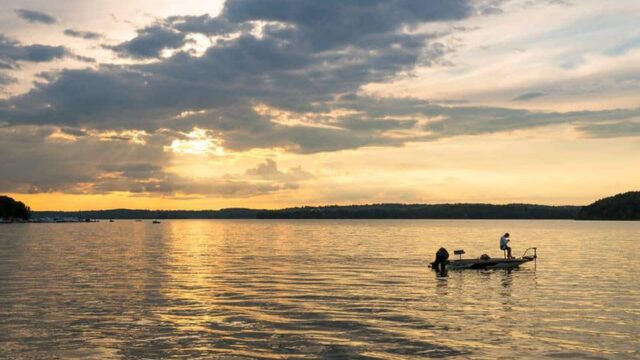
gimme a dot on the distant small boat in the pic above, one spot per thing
(485, 262)
(111, 220)
(155, 222)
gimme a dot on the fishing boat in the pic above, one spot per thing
(486, 262)
(155, 222)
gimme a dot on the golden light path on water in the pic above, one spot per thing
(315, 289)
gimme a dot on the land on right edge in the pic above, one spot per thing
(624, 206)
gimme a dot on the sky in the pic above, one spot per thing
(277, 103)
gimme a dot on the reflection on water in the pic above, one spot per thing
(332, 289)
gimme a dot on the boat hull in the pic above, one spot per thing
(479, 264)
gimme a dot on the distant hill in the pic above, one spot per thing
(375, 211)
(619, 207)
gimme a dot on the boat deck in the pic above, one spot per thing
(487, 264)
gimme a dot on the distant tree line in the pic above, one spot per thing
(375, 211)
(11, 209)
(624, 206)
(619, 207)
(422, 211)
(152, 214)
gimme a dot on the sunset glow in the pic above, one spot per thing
(197, 142)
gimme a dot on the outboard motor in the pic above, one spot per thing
(442, 258)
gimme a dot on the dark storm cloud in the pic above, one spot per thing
(36, 16)
(529, 96)
(12, 52)
(87, 35)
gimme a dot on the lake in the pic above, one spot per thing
(356, 289)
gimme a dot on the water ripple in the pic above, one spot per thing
(314, 289)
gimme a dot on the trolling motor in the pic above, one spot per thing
(534, 256)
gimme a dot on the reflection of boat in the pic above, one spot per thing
(485, 262)
(155, 222)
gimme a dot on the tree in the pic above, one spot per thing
(12, 210)
(619, 207)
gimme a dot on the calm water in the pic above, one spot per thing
(316, 289)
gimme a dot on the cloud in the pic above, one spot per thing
(167, 184)
(205, 24)
(529, 96)
(309, 25)
(552, 2)
(33, 17)
(612, 130)
(6, 79)
(41, 159)
(129, 170)
(12, 52)
(281, 74)
(288, 66)
(87, 35)
(490, 7)
(448, 121)
(334, 24)
(150, 42)
(269, 171)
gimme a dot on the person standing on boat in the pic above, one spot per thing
(504, 245)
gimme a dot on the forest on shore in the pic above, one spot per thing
(624, 206)
(12, 210)
(375, 211)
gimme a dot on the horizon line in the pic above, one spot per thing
(317, 206)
